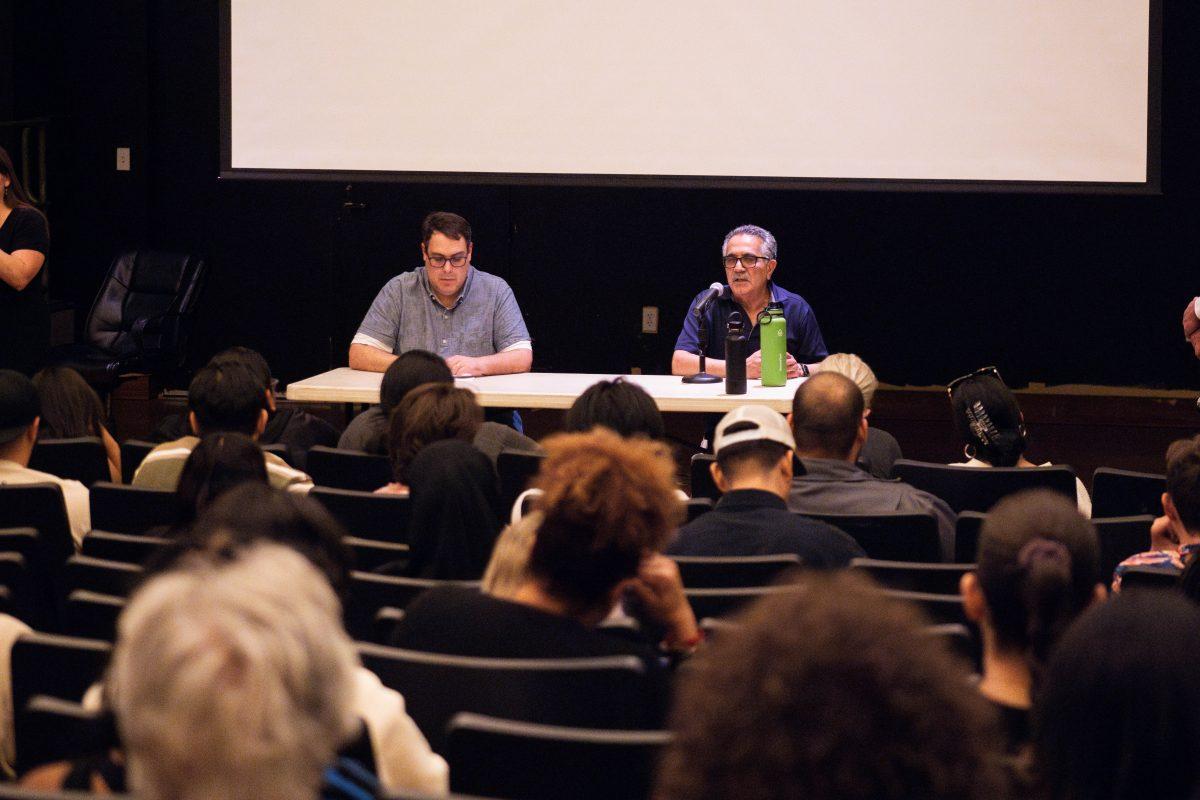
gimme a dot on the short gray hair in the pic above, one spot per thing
(770, 248)
(855, 369)
(233, 681)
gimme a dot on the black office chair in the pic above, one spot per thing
(60, 730)
(348, 469)
(494, 757)
(911, 576)
(891, 536)
(367, 515)
(40, 506)
(717, 572)
(977, 488)
(607, 692)
(515, 469)
(133, 453)
(92, 615)
(1121, 493)
(717, 603)
(702, 481)
(127, 547)
(967, 528)
(130, 509)
(1120, 538)
(83, 459)
(370, 592)
(141, 319)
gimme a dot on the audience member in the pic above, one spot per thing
(10, 629)
(219, 463)
(1191, 324)
(70, 409)
(833, 692)
(618, 405)
(20, 418)
(881, 450)
(430, 413)
(223, 397)
(754, 450)
(992, 428)
(1039, 568)
(608, 506)
(233, 680)
(1118, 716)
(1175, 536)
(830, 426)
(369, 430)
(454, 512)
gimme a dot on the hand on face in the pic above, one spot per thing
(660, 590)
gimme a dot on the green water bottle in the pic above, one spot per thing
(772, 332)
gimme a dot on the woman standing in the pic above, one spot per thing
(24, 241)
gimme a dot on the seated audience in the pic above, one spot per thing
(754, 450)
(618, 405)
(992, 428)
(369, 430)
(430, 413)
(830, 426)
(219, 463)
(70, 409)
(1175, 536)
(223, 397)
(10, 629)
(881, 450)
(233, 680)
(829, 693)
(454, 512)
(296, 429)
(608, 506)
(1039, 568)
(20, 418)
(1118, 715)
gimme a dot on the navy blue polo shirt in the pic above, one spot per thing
(804, 340)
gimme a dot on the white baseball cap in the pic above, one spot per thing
(752, 424)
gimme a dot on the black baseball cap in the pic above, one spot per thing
(19, 404)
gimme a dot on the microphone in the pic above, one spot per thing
(714, 291)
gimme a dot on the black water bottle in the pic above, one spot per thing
(735, 355)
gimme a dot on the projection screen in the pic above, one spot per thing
(694, 92)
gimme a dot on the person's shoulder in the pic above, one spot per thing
(179, 448)
(491, 283)
(404, 282)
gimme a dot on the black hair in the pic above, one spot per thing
(250, 359)
(619, 406)
(988, 420)
(1119, 712)
(411, 369)
(16, 194)
(827, 411)
(757, 456)
(1183, 480)
(217, 464)
(226, 396)
(70, 407)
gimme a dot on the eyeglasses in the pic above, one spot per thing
(749, 260)
(952, 385)
(439, 261)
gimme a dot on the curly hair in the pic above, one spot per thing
(829, 691)
(430, 413)
(606, 502)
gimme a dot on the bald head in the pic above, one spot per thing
(827, 415)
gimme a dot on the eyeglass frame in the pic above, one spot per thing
(432, 259)
(995, 373)
(741, 258)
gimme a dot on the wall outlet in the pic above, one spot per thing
(649, 319)
(122, 159)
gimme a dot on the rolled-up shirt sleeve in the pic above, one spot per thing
(379, 326)
(689, 336)
(509, 331)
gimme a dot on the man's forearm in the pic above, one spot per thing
(370, 359)
(685, 363)
(507, 362)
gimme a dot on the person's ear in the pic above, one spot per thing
(193, 423)
(974, 604)
(867, 414)
(1169, 508)
(1099, 594)
(771, 268)
(34, 427)
(424, 253)
(261, 425)
(718, 477)
(785, 465)
(470, 251)
(272, 407)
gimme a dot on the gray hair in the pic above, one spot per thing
(508, 568)
(856, 370)
(233, 681)
(770, 248)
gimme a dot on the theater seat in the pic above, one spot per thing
(82, 459)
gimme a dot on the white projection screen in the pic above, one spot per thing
(695, 92)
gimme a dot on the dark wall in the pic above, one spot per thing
(1058, 289)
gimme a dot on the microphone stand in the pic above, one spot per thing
(702, 376)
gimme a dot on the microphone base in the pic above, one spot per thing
(701, 377)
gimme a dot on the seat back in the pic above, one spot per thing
(371, 554)
(83, 459)
(127, 547)
(130, 509)
(702, 481)
(348, 469)
(891, 536)
(367, 515)
(1120, 538)
(61, 730)
(1146, 577)
(978, 489)
(146, 303)
(369, 593)
(912, 576)
(40, 506)
(92, 615)
(714, 572)
(721, 602)
(967, 529)
(698, 506)
(16, 580)
(942, 609)
(101, 575)
(133, 452)
(606, 692)
(515, 469)
(1121, 493)
(502, 758)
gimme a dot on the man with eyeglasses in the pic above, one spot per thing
(748, 254)
(467, 316)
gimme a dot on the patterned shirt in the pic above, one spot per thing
(1154, 558)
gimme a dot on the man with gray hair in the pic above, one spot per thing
(233, 681)
(749, 256)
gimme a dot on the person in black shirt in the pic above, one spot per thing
(754, 449)
(24, 242)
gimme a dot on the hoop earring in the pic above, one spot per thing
(969, 451)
